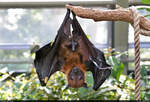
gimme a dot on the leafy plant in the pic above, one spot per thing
(146, 1)
(27, 86)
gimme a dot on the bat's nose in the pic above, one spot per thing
(76, 70)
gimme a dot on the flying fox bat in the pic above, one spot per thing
(73, 54)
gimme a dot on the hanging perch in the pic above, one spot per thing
(120, 14)
(140, 24)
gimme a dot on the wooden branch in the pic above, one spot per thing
(119, 14)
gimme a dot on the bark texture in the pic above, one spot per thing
(120, 14)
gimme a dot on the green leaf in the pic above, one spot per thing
(146, 1)
(115, 60)
(89, 79)
(147, 95)
(117, 68)
(143, 71)
(4, 77)
(147, 15)
(144, 8)
(119, 71)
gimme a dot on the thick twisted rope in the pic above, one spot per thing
(137, 52)
(145, 32)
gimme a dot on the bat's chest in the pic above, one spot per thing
(68, 56)
(72, 58)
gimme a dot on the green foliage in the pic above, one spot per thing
(117, 68)
(145, 93)
(146, 1)
(27, 86)
(145, 8)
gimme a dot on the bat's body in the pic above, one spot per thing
(73, 54)
(72, 60)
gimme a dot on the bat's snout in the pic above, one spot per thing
(76, 74)
(76, 78)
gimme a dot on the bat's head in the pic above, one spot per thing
(76, 78)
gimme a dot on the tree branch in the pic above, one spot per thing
(119, 14)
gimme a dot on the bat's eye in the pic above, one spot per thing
(76, 77)
(71, 77)
(80, 77)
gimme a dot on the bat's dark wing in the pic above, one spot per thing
(47, 61)
(99, 68)
(93, 57)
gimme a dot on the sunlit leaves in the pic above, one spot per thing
(117, 87)
(147, 9)
(146, 1)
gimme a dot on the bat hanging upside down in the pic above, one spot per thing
(73, 54)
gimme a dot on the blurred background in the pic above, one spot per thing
(25, 24)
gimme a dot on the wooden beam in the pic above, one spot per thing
(120, 14)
